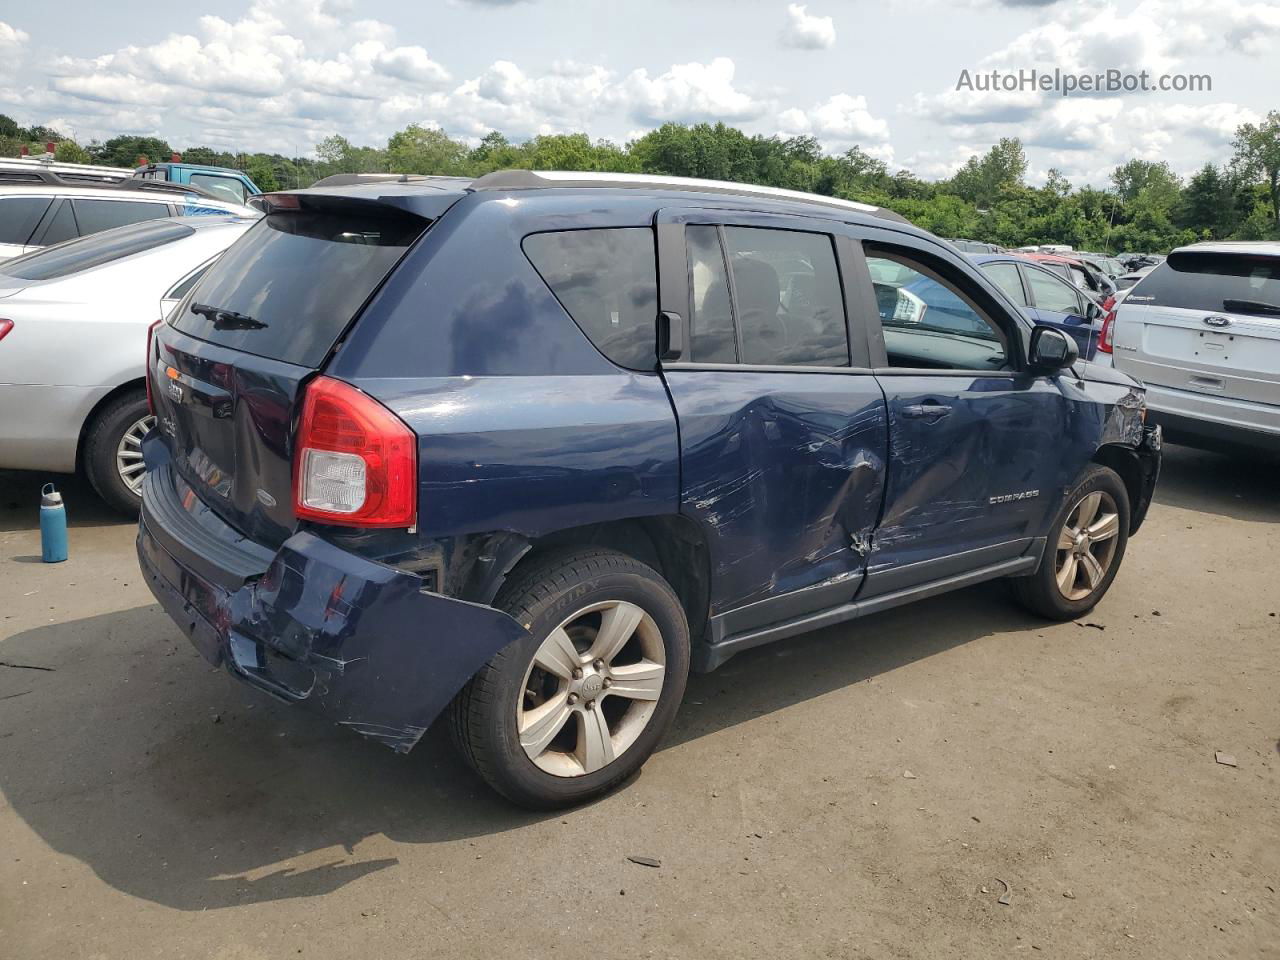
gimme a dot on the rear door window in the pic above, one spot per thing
(787, 297)
(19, 216)
(288, 288)
(765, 297)
(88, 252)
(94, 216)
(606, 280)
(1214, 282)
(711, 334)
(1005, 276)
(1050, 293)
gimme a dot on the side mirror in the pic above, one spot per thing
(1093, 312)
(1052, 350)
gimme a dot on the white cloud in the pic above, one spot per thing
(13, 44)
(805, 31)
(687, 93)
(840, 122)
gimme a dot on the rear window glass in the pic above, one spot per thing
(87, 252)
(96, 215)
(607, 281)
(19, 216)
(290, 285)
(1214, 282)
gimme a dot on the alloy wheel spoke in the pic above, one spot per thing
(1067, 575)
(638, 681)
(1092, 569)
(1067, 538)
(540, 725)
(617, 624)
(128, 470)
(1105, 527)
(595, 743)
(558, 655)
(1088, 509)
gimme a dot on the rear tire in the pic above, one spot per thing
(1083, 551)
(112, 456)
(568, 712)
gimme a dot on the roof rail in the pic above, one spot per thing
(529, 179)
(49, 178)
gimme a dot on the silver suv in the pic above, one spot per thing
(1202, 330)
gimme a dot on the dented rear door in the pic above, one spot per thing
(782, 426)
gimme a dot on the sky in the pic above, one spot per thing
(280, 75)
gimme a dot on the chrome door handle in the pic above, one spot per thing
(926, 411)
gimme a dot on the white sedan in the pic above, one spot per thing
(73, 333)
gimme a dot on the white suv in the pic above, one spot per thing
(49, 210)
(1202, 331)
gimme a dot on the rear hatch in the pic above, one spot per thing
(1205, 322)
(228, 369)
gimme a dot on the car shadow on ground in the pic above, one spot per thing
(121, 748)
(1239, 486)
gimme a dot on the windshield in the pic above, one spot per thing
(290, 285)
(1214, 282)
(84, 253)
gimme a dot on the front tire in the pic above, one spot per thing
(1085, 547)
(577, 706)
(113, 451)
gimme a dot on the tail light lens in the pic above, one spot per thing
(1108, 325)
(5, 327)
(147, 367)
(355, 462)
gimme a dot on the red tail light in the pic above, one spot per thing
(1108, 325)
(5, 327)
(146, 368)
(355, 463)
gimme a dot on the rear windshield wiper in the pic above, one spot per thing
(1251, 306)
(227, 319)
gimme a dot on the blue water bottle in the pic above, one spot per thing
(53, 526)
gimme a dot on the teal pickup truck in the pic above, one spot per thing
(222, 182)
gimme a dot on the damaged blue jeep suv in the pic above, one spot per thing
(524, 450)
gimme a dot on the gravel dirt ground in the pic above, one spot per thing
(865, 791)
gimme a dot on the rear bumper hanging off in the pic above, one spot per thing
(358, 641)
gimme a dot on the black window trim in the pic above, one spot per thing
(912, 249)
(674, 287)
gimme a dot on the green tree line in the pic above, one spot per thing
(1146, 207)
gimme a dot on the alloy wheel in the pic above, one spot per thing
(129, 454)
(591, 689)
(1087, 545)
